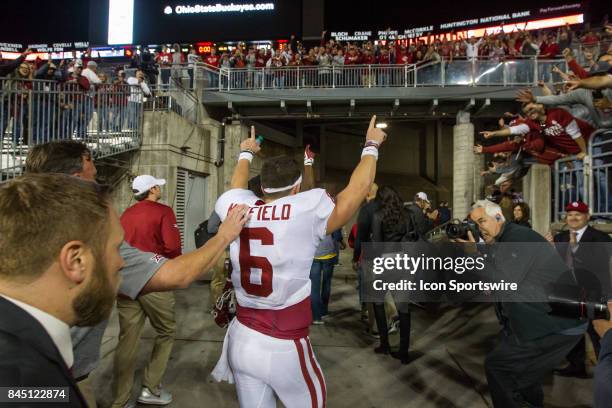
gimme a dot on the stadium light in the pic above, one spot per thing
(381, 125)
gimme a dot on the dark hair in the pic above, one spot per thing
(391, 205)
(279, 171)
(255, 186)
(524, 209)
(142, 196)
(64, 156)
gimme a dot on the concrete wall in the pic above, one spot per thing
(170, 142)
(464, 166)
(410, 148)
(537, 187)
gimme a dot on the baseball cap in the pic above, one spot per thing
(577, 206)
(78, 64)
(92, 64)
(145, 183)
(421, 195)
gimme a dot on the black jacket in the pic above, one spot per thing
(524, 223)
(591, 261)
(603, 373)
(534, 268)
(398, 232)
(422, 224)
(29, 358)
(364, 227)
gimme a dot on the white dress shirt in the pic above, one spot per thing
(57, 330)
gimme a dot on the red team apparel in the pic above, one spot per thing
(560, 130)
(151, 227)
(266, 348)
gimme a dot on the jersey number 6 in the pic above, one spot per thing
(248, 262)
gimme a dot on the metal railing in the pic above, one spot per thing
(181, 101)
(329, 76)
(198, 76)
(588, 180)
(108, 118)
(466, 72)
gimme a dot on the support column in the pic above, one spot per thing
(235, 133)
(463, 165)
(320, 162)
(537, 191)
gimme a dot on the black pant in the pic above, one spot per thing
(404, 319)
(577, 355)
(515, 370)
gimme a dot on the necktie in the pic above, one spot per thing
(569, 255)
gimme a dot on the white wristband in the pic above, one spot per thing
(308, 161)
(370, 151)
(246, 155)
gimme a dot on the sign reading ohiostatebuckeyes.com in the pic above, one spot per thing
(218, 8)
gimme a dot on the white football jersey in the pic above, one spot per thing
(271, 258)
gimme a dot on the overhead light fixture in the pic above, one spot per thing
(381, 125)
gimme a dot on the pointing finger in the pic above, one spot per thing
(373, 122)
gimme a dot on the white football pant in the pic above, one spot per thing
(264, 366)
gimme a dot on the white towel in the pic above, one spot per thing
(223, 371)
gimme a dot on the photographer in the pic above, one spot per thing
(603, 371)
(532, 342)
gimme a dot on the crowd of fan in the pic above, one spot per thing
(544, 44)
(558, 124)
(331, 56)
(64, 102)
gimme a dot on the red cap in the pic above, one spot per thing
(577, 206)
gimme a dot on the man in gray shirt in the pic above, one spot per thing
(143, 272)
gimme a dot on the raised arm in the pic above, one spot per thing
(349, 199)
(308, 182)
(180, 272)
(594, 82)
(507, 131)
(248, 148)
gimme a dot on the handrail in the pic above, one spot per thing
(587, 180)
(458, 72)
(107, 117)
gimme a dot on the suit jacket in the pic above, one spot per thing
(29, 358)
(535, 268)
(591, 262)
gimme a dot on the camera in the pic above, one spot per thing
(459, 229)
(579, 308)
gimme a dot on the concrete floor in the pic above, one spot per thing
(450, 345)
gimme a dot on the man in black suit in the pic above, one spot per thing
(59, 267)
(589, 265)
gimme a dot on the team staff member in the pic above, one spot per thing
(59, 267)
(144, 272)
(589, 264)
(149, 226)
(532, 342)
